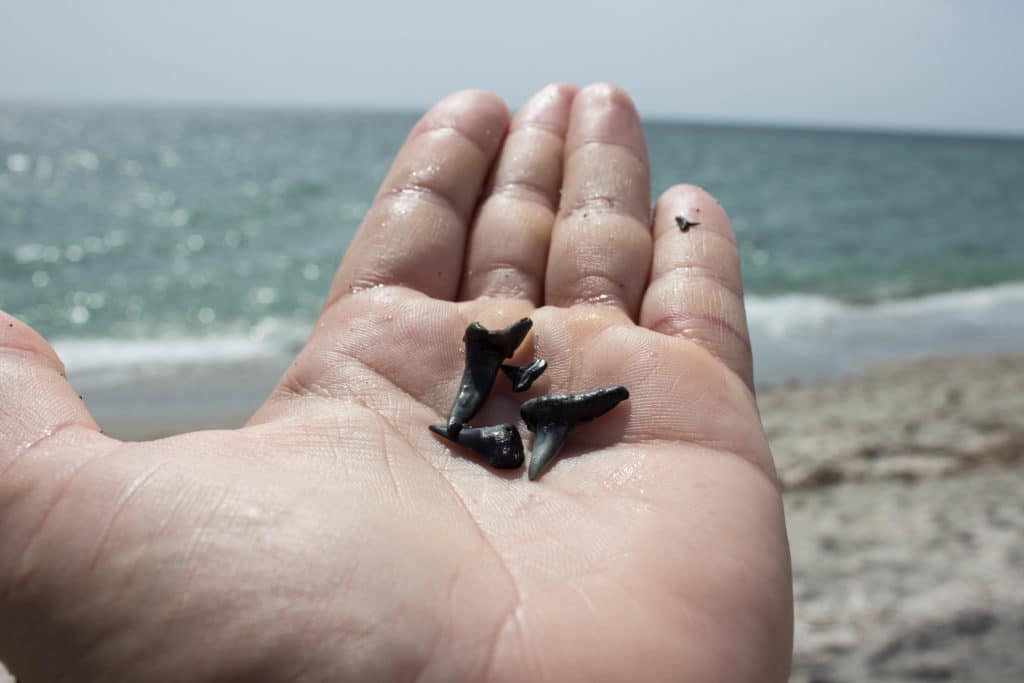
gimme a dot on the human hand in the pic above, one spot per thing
(335, 538)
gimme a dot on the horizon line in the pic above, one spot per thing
(783, 125)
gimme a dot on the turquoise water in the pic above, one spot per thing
(169, 225)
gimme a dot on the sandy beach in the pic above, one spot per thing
(906, 521)
(904, 508)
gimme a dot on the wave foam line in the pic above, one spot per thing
(800, 326)
(86, 355)
(792, 312)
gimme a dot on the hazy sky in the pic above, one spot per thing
(922, 64)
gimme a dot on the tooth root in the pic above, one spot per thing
(500, 445)
(546, 444)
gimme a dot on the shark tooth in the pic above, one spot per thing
(523, 376)
(500, 445)
(552, 417)
(485, 350)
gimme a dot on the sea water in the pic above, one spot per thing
(140, 237)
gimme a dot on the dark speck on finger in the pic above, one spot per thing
(685, 224)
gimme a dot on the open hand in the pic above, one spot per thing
(335, 538)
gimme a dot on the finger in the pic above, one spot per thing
(46, 434)
(696, 290)
(414, 234)
(508, 244)
(601, 244)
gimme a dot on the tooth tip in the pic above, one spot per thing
(537, 465)
(451, 430)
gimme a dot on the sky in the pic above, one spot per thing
(934, 65)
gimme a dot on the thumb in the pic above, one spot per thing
(46, 436)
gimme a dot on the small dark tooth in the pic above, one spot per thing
(685, 223)
(485, 350)
(552, 417)
(500, 445)
(523, 376)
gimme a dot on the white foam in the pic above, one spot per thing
(806, 335)
(792, 311)
(90, 355)
(794, 336)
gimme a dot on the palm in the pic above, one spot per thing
(338, 539)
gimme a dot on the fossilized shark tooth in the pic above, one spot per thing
(485, 350)
(523, 376)
(552, 417)
(500, 445)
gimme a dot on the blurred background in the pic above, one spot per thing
(179, 180)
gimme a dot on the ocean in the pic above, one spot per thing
(143, 238)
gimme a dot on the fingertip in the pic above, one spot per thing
(548, 108)
(15, 334)
(607, 94)
(36, 399)
(414, 234)
(488, 114)
(604, 112)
